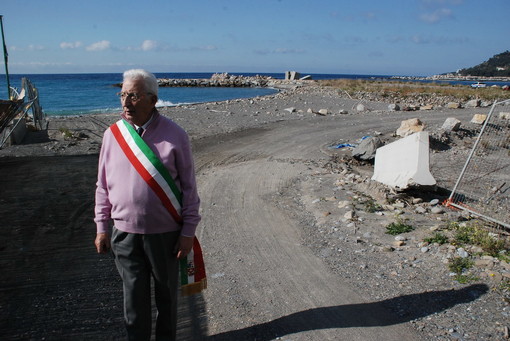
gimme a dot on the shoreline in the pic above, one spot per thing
(295, 100)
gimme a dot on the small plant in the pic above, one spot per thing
(476, 234)
(458, 265)
(372, 206)
(463, 279)
(66, 133)
(504, 256)
(438, 238)
(463, 235)
(398, 227)
(504, 290)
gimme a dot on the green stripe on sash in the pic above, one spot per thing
(154, 160)
(183, 265)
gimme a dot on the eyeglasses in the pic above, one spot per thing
(133, 96)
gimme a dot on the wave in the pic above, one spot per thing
(161, 103)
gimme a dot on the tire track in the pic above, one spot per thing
(263, 283)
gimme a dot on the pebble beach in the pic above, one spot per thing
(472, 311)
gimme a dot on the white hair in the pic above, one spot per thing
(149, 80)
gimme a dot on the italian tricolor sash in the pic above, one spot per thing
(148, 165)
(192, 269)
(155, 174)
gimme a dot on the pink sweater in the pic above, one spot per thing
(124, 197)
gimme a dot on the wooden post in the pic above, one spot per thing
(5, 58)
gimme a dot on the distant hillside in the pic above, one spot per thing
(497, 66)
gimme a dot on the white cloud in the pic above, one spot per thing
(149, 45)
(32, 47)
(370, 15)
(208, 48)
(72, 45)
(417, 39)
(99, 46)
(288, 51)
(437, 15)
(279, 51)
(439, 40)
(442, 2)
(41, 64)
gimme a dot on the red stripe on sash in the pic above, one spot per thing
(198, 260)
(144, 173)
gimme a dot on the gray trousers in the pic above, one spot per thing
(138, 257)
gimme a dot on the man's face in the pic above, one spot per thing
(136, 102)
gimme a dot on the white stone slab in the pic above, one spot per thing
(404, 163)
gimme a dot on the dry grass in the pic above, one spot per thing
(404, 89)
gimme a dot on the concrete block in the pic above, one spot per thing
(404, 163)
(451, 124)
(479, 118)
(504, 115)
(292, 75)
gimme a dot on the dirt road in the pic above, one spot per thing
(265, 283)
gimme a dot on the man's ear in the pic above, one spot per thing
(154, 99)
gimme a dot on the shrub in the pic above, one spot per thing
(477, 234)
(458, 265)
(398, 227)
(66, 133)
(438, 238)
(372, 206)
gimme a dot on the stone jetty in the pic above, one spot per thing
(228, 80)
(218, 80)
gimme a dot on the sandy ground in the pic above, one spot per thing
(272, 273)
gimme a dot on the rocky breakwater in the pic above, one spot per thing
(218, 80)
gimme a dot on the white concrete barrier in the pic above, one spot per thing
(404, 163)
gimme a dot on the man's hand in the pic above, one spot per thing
(102, 243)
(184, 246)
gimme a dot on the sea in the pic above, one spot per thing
(95, 93)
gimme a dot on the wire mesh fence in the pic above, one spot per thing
(483, 186)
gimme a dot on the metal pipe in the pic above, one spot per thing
(507, 226)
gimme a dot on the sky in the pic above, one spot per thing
(379, 37)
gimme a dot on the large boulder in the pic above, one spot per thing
(393, 107)
(409, 127)
(451, 124)
(474, 103)
(454, 105)
(367, 148)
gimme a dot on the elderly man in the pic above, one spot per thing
(146, 187)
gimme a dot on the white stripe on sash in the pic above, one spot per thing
(147, 164)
